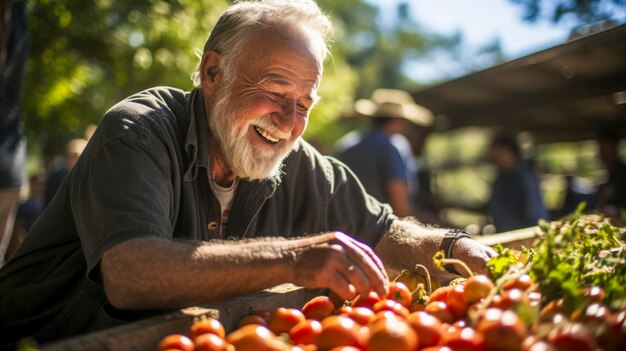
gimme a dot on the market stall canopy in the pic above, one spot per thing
(564, 93)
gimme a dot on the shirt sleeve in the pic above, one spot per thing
(123, 190)
(352, 210)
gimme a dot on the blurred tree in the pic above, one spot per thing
(87, 55)
(582, 11)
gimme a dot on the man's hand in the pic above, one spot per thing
(337, 261)
(473, 253)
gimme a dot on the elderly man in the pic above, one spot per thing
(189, 198)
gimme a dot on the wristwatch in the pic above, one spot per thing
(449, 239)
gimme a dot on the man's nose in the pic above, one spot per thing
(286, 118)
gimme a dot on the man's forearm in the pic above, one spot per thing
(157, 273)
(408, 243)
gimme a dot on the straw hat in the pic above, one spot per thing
(393, 103)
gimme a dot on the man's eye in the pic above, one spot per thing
(303, 108)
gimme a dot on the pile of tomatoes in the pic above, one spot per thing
(473, 314)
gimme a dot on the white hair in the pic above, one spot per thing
(228, 37)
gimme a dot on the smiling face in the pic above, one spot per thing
(259, 111)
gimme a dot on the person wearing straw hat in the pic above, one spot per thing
(382, 157)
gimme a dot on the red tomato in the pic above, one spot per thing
(361, 315)
(594, 293)
(440, 294)
(254, 338)
(393, 306)
(392, 334)
(502, 330)
(207, 326)
(339, 331)
(211, 342)
(283, 319)
(466, 339)
(456, 301)
(345, 348)
(522, 283)
(511, 300)
(572, 336)
(477, 287)
(176, 342)
(318, 308)
(252, 319)
(428, 328)
(441, 311)
(400, 293)
(368, 301)
(305, 332)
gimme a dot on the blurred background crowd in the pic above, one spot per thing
(64, 63)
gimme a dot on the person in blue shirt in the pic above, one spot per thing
(516, 200)
(382, 157)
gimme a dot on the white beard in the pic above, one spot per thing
(244, 160)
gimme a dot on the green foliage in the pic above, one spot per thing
(87, 55)
(502, 263)
(583, 11)
(577, 252)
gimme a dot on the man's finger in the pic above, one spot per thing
(377, 277)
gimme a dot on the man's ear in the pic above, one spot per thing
(210, 69)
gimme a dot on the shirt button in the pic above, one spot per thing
(212, 225)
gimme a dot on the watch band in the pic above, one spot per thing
(447, 243)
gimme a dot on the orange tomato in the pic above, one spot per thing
(251, 319)
(254, 338)
(523, 283)
(440, 310)
(391, 305)
(392, 334)
(511, 300)
(440, 294)
(211, 342)
(318, 308)
(361, 315)
(283, 319)
(456, 301)
(465, 339)
(477, 287)
(428, 328)
(305, 332)
(339, 331)
(502, 330)
(399, 293)
(176, 342)
(207, 326)
(366, 301)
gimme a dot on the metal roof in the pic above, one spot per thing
(564, 93)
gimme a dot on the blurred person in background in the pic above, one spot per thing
(13, 57)
(382, 158)
(516, 201)
(610, 198)
(73, 150)
(427, 204)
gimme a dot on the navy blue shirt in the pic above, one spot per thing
(375, 160)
